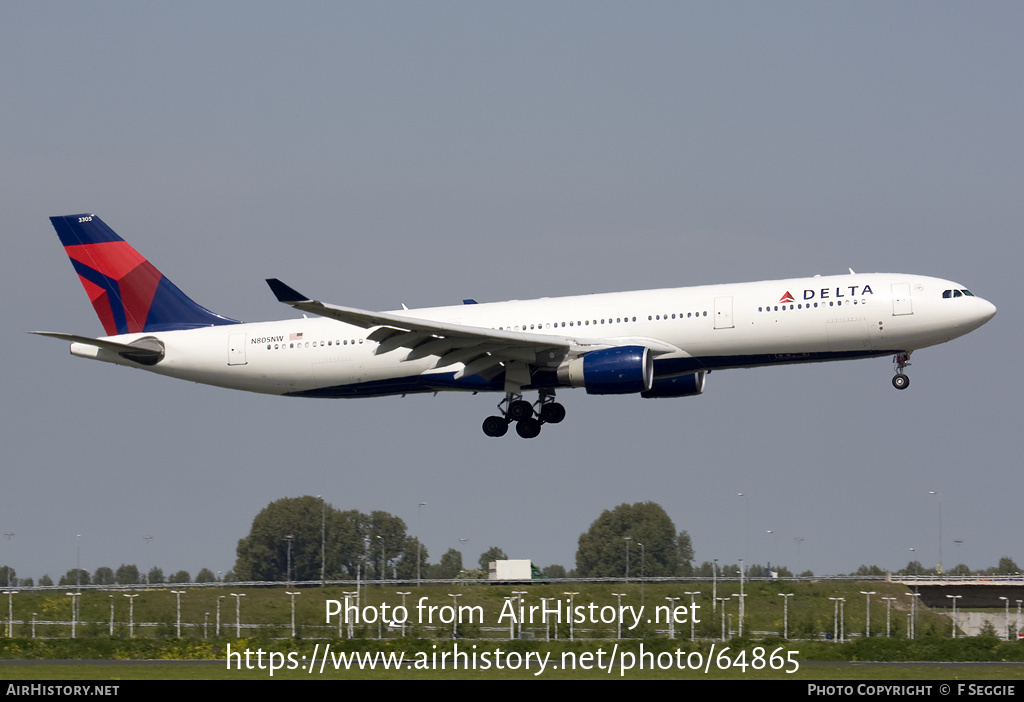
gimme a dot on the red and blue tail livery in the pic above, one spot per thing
(128, 293)
(651, 343)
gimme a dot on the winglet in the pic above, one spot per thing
(284, 293)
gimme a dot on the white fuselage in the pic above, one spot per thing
(711, 327)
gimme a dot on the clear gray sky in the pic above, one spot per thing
(375, 154)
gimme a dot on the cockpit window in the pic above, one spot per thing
(957, 293)
(968, 293)
(946, 294)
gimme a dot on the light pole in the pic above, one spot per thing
(714, 585)
(1007, 622)
(913, 613)
(643, 552)
(289, 538)
(360, 568)
(238, 613)
(10, 610)
(323, 540)
(131, 614)
(627, 539)
(177, 594)
(219, 598)
(78, 568)
(519, 604)
(888, 610)
(462, 546)
(842, 618)
(419, 542)
(403, 594)
(111, 616)
(742, 609)
(1018, 619)
(954, 598)
(350, 629)
(722, 600)
(671, 617)
(785, 614)
(148, 539)
(510, 599)
(835, 618)
(206, 625)
(939, 495)
(693, 610)
(292, 595)
(74, 609)
(455, 617)
(9, 535)
(746, 527)
(547, 624)
(618, 629)
(867, 625)
(572, 632)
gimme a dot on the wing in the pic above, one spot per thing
(483, 351)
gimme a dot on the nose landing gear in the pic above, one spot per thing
(528, 421)
(901, 381)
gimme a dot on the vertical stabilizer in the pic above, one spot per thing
(128, 293)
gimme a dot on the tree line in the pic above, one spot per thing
(307, 539)
(125, 574)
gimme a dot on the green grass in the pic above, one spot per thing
(191, 657)
(810, 610)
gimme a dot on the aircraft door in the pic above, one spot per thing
(901, 302)
(236, 350)
(723, 313)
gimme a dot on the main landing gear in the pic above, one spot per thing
(900, 381)
(528, 421)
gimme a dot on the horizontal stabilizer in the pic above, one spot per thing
(148, 350)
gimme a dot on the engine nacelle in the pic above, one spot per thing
(678, 386)
(616, 371)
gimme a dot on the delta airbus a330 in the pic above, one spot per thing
(657, 343)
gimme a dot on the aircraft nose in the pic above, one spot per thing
(986, 310)
(983, 311)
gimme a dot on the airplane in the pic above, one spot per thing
(654, 343)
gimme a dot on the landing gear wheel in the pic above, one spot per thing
(528, 428)
(900, 361)
(495, 426)
(520, 410)
(552, 413)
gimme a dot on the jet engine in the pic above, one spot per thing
(615, 371)
(677, 386)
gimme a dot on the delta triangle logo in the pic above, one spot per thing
(787, 297)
